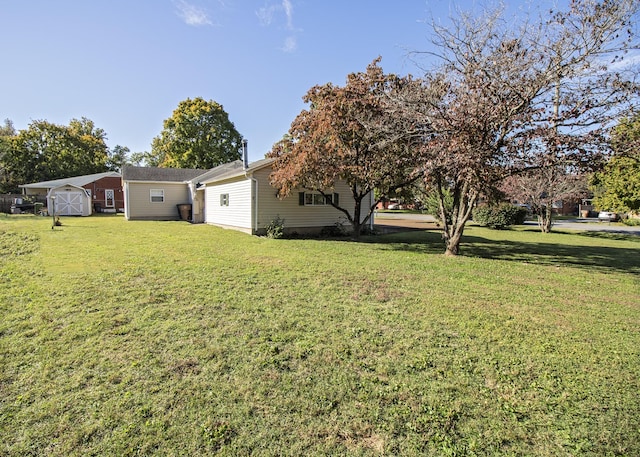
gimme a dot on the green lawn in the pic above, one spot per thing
(164, 338)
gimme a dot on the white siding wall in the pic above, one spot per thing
(138, 201)
(295, 215)
(238, 213)
(242, 205)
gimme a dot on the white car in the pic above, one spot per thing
(607, 216)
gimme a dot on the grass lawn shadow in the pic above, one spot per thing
(598, 257)
(553, 251)
(413, 240)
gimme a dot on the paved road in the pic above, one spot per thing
(592, 225)
(427, 221)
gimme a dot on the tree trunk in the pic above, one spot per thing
(356, 224)
(464, 199)
(545, 219)
(356, 230)
(452, 241)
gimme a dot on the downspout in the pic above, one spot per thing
(254, 185)
(254, 191)
(126, 203)
(192, 197)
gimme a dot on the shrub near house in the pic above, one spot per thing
(499, 216)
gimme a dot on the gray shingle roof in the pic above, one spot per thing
(220, 169)
(232, 173)
(224, 171)
(157, 174)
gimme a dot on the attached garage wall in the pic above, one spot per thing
(298, 216)
(140, 206)
(244, 213)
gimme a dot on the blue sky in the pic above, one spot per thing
(126, 64)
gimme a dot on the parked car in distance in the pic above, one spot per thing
(395, 206)
(607, 216)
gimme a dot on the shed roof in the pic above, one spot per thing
(77, 181)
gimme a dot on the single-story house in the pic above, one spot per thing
(236, 195)
(153, 193)
(81, 195)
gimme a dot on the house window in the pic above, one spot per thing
(308, 199)
(157, 195)
(317, 199)
(224, 199)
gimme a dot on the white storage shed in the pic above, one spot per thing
(69, 200)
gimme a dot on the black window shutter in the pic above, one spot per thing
(301, 198)
(336, 199)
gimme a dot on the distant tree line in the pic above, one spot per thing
(45, 151)
(199, 134)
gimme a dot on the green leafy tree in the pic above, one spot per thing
(618, 185)
(7, 133)
(142, 159)
(198, 134)
(431, 202)
(620, 181)
(7, 129)
(47, 151)
(118, 157)
(88, 147)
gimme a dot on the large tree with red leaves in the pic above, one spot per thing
(349, 134)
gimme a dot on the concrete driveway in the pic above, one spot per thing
(394, 222)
